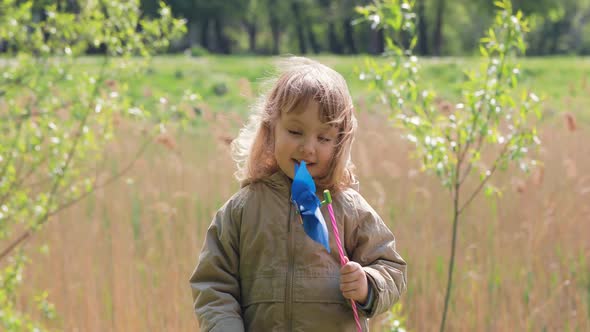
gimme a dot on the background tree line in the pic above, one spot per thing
(313, 26)
(327, 26)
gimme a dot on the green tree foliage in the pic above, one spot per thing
(561, 28)
(491, 126)
(263, 26)
(55, 121)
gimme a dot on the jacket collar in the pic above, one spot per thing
(281, 182)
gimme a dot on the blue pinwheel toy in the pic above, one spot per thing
(303, 195)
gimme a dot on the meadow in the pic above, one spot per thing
(120, 259)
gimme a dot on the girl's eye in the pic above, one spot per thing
(324, 139)
(294, 132)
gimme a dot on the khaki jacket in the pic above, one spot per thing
(259, 271)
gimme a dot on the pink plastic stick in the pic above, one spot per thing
(342, 262)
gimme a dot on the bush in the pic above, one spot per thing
(220, 89)
(178, 74)
(198, 51)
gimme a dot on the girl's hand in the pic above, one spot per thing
(353, 282)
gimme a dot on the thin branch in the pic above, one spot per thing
(471, 131)
(22, 117)
(107, 182)
(15, 243)
(485, 180)
(26, 234)
(22, 179)
(470, 165)
(30, 172)
(488, 115)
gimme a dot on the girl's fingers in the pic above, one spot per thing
(348, 296)
(348, 286)
(348, 268)
(351, 277)
(351, 274)
(351, 285)
(350, 292)
(352, 295)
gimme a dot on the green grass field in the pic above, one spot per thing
(559, 80)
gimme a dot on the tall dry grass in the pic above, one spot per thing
(120, 260)
(523, 259)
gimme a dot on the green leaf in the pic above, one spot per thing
(483, 51)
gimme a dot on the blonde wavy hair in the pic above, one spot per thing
(300, 80)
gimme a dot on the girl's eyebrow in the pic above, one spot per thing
(327, 129)
(294, 120)
(324, 127)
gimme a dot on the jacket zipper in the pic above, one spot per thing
(290, 272)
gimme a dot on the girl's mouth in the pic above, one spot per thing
(306, 163)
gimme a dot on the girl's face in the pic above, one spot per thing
(300, 135)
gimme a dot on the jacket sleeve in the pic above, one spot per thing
(373, 246)
(215, 281)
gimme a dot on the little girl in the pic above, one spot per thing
(258, 270)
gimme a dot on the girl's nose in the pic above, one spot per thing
(307, 147)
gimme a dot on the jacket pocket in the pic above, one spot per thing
(263, 289)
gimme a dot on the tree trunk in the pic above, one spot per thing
(381, 40)
(558, 28)
(275, 38)
(275, 32)
(422, 29)
(251, 29)
(192, 34)
(377, 41)
(205, 33)
(540, 44)
(73, 6)
(275, 25)
(349, 35)
(335, 46)
(222, 41)
(299, 27)
(438, 26)
(315, 46)
(577, 34)
(70, 6)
